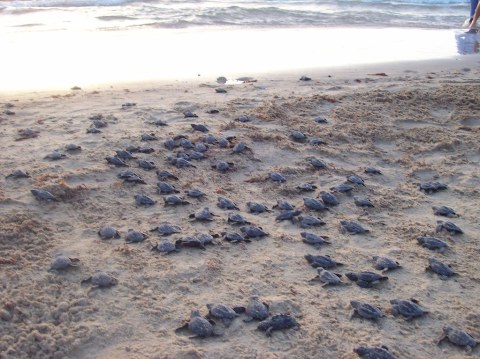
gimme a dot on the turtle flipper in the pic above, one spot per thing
(268, 332)
(183, 327)
(363, 284)
(441, 339)
(86, 280)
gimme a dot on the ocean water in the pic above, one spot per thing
(131, 14)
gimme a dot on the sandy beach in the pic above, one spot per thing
(414, 122)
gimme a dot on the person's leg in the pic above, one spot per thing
(473, 7)
(476, 15)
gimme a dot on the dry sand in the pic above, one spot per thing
(416, 124)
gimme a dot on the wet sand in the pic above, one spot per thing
(414, 123)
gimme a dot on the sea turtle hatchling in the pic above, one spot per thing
(307, 187)
(432, 243)
(225, 203)
(166, 229)
(407, 308)
(315, 141)
(353, 227)
(342, 188)
(234, 237)
(148, 137)
(144, 200)
(458, 337)
(237, 218)
(108, 232)
(320, 119)
(327, 277)
(432, 187)
(174, 200)
(329, 198)
(43, 195)
(200, 147)
(278, 322)
(165, 175)
(298, 136)
(223, 166)
(277, 177)
(287, 215)
(366, 279)
(442, 269)
(166, 188)
(199, 127)
(195, 193)
(125, 155)
(114, 160)
(183, 163)
(61, 262)
(189, 242)
(203, 214)
(146, 165)
(223, 312)
(256, 208)
(317, 163)
(384, 263)
(450, 227)
(373, 353)
(284, 205)
(101, 280)
(363, 202)
(134, 236)
(72, 147)
(255, 309)
(170, 144)
(253, 232)
(365, 310)
(55, 156)
(240, 148)
(309, 221)
(166, 247)
(314, 239)
(325, 262)
(314, 204)
(189, 114)
(372, 171)
(207, 238)
(444, 211)
(18, 174)
(356, 180)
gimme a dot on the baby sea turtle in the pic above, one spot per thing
(356, 180)
(366, 310)
(212, 111)
(450, 227)
(307, 187)
(314, 204)
(222, 312)
(315, 141)
(255, 207)
(320, 119)
(256, 309)
(43, 195)
(234, 237)
(220, 90)
(277, 177)
(442, 269)
(237, 218)
(170, 144)
(310, 221)
(206, 238)
(134, 236)
(159, 123)
(101, 280)
(223, 166)
(183, 163)
(166, 247)
(384, 263)
(373, 353)
(166, 188)
(63, 262)
(147, 165)
(224, 143)
(317, 163)
(407, 308)
(149, 137)
(18, 174)
(126, 173)
(165, 175)
(313, 239)
(186, 144)
(198, 326)
(200, 147)
(55, 156)
(243, 118)
(298, 136)
(342, 188)
(114, 160)
(372, 171)
(284, 205)
(166, 229)
(174, 200)
(134, 178)
(253, 232)
(327, 277)
(72, 147)
(240, 148)
(366, 279)
(108, 232)
(432, 243)
(444, 211)
(128, 105)
(125, 155)
(203, 214)
(93, 130)
(195, 193)
(288, 215)
(144, 200)
(225, 203)
(329, 198)
(210, 139)
(196, 156)
(363, 202)
(278, 322)
(305, 78)
(189, 114)
(324, 262)
(459, 338)
(353, 227)
(432, 187)
(190, 242)
(199, 127)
